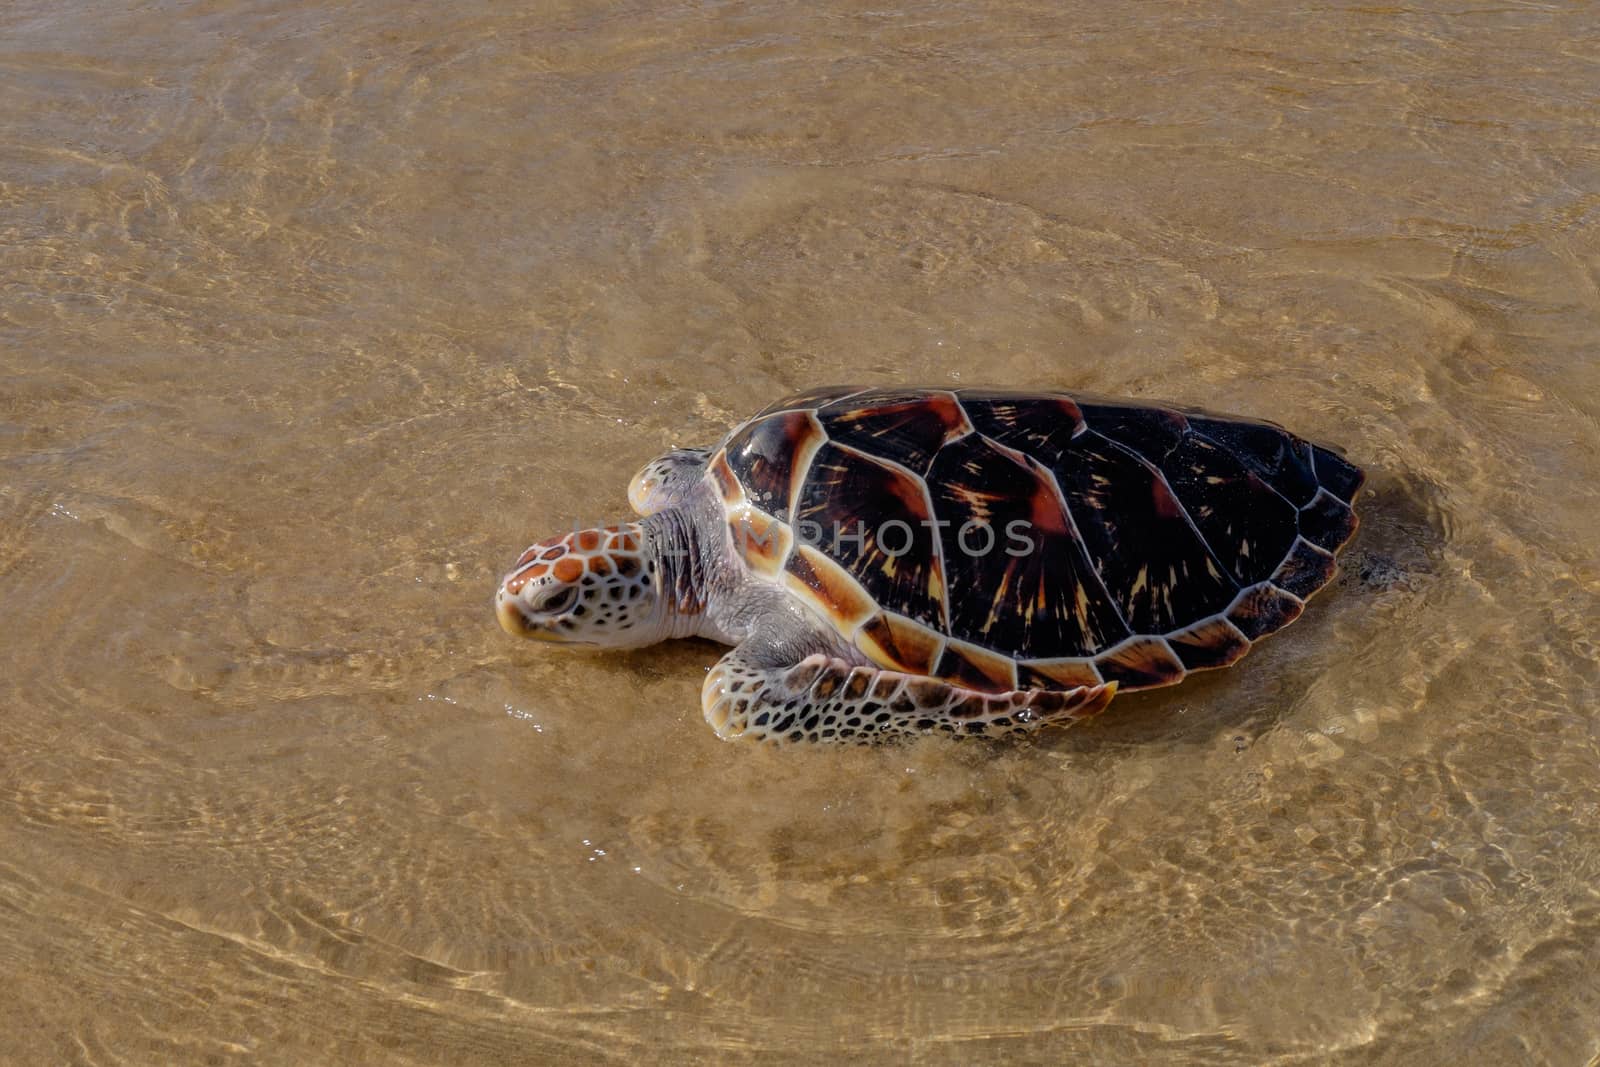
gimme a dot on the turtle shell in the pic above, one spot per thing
(1004, 540)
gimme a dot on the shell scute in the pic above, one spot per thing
(728, 487)
(1157, 540)
(1304, 570)
(900, 643)
(1277, 457)
(1141, 663)
(1213, 642)
(1327, 522)
(1057, 674)
(972, 667)
(1006, 533)
(1247, 524)
(1338, 475)
(1155, 566)
(875, 520)
(767, 454)
(827, 588)
(1264, 609)
(906, 426)
(761, 540)
(1038, 426)
(1152, 432)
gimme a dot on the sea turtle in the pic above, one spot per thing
(973, 561)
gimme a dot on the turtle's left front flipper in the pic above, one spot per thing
(829, 700)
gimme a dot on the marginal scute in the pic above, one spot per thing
(727, 485)
(827, 588)
(1327, 522)
(899, 643)
(1264, 609)
(1057, 673)
(1338, 475)
(811, 398)
(1143, 663)
(761, 541)
(1213, 642)
(976, 668)
(1306, 569)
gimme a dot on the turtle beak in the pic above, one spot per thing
(639, 491)
(514, 621)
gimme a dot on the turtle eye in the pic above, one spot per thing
(560, 600)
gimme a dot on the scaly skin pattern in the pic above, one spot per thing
(823, 699)
(586, 587)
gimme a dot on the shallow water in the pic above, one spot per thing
(311, 317)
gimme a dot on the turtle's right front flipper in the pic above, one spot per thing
(822, 698)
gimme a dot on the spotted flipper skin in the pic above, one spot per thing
(828, 700)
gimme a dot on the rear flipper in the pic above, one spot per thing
(829, 700)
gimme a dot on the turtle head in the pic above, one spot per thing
(588, 588)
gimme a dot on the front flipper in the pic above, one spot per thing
(829, 700)
(667, 479)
